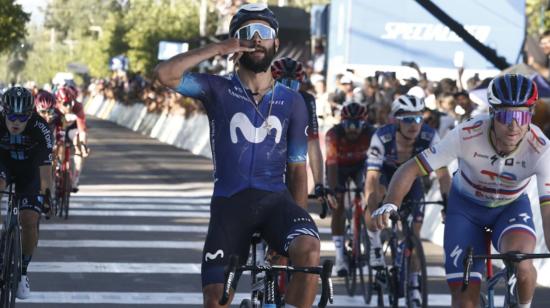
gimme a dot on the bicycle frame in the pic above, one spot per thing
(10, 247)
(508, 274)
(268, 283)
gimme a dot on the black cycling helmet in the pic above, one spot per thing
(253, 11)
(288, 68)
(17, 100)
(353, 111)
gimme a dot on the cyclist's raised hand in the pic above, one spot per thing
(236, 47)
(382, 214)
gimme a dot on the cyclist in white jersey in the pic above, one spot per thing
(497, 156)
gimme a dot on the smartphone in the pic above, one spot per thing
(458, 59)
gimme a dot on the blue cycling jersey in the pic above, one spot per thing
(251, 144)
(382, 154)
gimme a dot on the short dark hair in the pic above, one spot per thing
(545, 34)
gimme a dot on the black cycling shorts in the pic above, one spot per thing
(26, 177)
(233, 220)
(356, 173)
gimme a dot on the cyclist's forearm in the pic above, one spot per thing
(315, 160)
(371, 189)
(297, 183)
(545, 213)
(45, 178)
(402, 181)
(170, 71)
(444, 180)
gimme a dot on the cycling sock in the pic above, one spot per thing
(290, 306)
(414, 279)
(339, 246)
(26, 260)
(528, 305)
(374, 237)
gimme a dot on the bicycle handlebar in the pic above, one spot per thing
(511, 256)
(233, 269)
(324, 205)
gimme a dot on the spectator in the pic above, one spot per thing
(542, 68)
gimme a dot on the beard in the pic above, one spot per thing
(258, 66)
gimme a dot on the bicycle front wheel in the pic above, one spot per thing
(415, 277)
(66, 192)
(366, 277)
(351, 274)
(11, 268)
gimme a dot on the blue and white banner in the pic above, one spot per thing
(375, 32)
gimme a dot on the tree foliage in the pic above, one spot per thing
(538, 16)
(12, 24)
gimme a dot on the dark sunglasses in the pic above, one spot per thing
(22, 117)
(353, 124)
(507, 116)
(410, 119)
(247, 32)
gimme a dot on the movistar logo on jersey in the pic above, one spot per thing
(254, 134)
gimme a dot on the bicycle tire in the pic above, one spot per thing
(246, 303)
(393, 275)
(364, 260)
(350, 278)
(11, 269)
(483, 301)
(66, 192)
(416, 245)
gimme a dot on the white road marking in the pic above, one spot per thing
(191, 298)
(135, 228)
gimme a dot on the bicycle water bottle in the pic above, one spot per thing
(269, 306)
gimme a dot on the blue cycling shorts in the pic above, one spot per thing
(465, 226)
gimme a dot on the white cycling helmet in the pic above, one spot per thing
(407, 103)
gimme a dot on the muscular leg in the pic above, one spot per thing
(78, 162)
(304, 250)
(212, 294)
(527, 274)
(337, 223)
(29, 236)
(466, 299)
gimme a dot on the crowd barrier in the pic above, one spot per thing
(192, 134)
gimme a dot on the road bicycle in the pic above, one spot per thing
(508, 274)
(405, 275)
(10, 251)
(265, 291)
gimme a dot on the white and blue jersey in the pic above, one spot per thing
(250, 147)
(382, 155)
(488, 190)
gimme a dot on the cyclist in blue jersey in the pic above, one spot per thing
(497, 156)
(258, 134)
(391, 146)
(291, 73)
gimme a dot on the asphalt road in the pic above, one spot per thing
(136, 231)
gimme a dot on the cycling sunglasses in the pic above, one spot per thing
(46, 111)
(247, 32)
(22, 117)
(507, 116)
(410, 119)
(293, 84)
(353, 124)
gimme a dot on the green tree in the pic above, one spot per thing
(538, 16)
(148, 23)
(12, 24)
